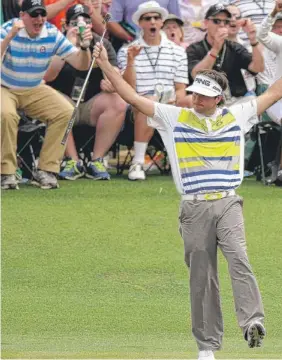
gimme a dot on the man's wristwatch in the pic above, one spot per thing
(84, 48)
(254, 44)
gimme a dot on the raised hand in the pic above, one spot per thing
(133, 51)
(250, 28)
(17, 26)
(220, 36)
(100, 54)
(72, 35)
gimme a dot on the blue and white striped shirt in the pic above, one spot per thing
(27, 59)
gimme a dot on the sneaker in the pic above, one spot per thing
(9, 182)
(72, 170)
(136, 172)
(45, 180)
(206, 355)
(96, 170)
(255, 334)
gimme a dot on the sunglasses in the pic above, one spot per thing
(149, 18)
(35, 14)
(75, 22)
(219, 21)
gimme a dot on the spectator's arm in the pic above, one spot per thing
(269, 97)
(55, 8)
(54, 69)
(257, 64)
(180, 93)
(117, 30)
(272, 41)
(7, 37)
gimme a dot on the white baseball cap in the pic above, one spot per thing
(149, 7)
(205, 86)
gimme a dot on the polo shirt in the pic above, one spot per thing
(236, 57)
(164, 64)
(27, 59)
(206, 153)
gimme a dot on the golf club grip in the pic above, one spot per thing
(72, 120)
(69, 127)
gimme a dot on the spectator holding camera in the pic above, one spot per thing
(101, 107)
(218, 53)
(27, 46)
(149, 63)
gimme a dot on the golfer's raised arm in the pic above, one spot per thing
(270, 97)
(146, 106)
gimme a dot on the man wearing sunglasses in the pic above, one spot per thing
(158, 63)
(101, 106)
(216, 52)
(27, 46)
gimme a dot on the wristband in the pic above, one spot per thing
(212, 55)
(255, 44)
(84, 48)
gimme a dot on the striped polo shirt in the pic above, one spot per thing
(165, 64)
(256, 10)
(27, 59)
(206, 153)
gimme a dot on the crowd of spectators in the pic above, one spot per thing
(157, 46)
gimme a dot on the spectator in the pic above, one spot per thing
(173, 27)
(27, 45)
(253, 10)
(193, 15)
(122, 28)
(215, 52)
(233, 35)
(102, 107)
(273, 41)
(158, 61)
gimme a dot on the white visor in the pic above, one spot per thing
(205, 86)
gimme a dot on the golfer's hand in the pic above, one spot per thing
(17, 26)
(100, 54)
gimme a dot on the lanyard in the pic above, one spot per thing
(157, 59)
(218, 66)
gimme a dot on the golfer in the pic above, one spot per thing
(206, 151)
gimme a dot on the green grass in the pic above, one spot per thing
(96, 270)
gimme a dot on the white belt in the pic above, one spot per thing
(208, 196)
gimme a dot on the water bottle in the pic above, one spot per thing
(81, 24)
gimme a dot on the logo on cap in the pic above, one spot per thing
(202, 81)
(78, 9)
(36, 2)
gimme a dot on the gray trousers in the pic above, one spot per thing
(204, 226)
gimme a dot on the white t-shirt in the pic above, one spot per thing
(206, 153)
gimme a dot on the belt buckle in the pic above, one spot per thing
(213, 196)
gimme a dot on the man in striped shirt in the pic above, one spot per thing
(151, 61)
(27, 47)
(205, 145)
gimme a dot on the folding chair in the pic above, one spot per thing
(30, 139)
(126, 139)
(268, 137)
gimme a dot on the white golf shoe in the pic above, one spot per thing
(255, 334)
(206, 355)
(136, 172)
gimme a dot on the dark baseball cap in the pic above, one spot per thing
(216, 9)
(75, 11)
(32, 5)
(174, 18)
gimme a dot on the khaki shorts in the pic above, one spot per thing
(84, 110)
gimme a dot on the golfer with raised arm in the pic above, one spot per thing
(206, 150)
